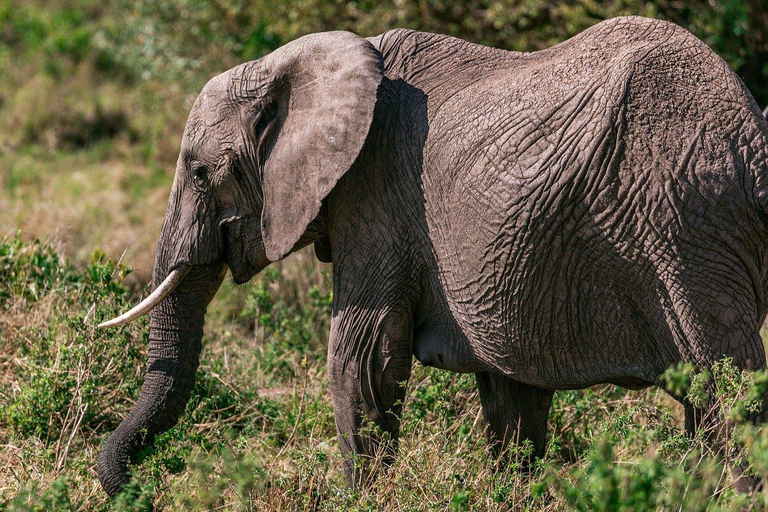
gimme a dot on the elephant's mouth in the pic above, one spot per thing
(242, 273)
(244, 251)
(242, 268)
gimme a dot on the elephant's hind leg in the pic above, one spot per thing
(514, 412)
(710, 422)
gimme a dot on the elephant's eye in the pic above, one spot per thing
(199, 173)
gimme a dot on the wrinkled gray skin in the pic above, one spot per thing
(594, 212)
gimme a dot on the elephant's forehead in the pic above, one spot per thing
(211, 107)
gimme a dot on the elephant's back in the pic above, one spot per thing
(567, 189)
(441, 65)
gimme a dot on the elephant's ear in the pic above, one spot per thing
(325, 85)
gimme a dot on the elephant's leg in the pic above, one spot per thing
(708, 422)
(369, 362)
(713, 316)
(514, 412)
(717, 431)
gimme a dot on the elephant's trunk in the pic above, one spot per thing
(176, 330)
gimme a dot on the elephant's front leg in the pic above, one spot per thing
(369, 362)
(514, 412)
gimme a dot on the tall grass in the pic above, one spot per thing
(93, 100)
(259, 433)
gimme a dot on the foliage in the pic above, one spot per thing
(93, 99)
(259, 434)
(240, 30)
(62, 382)
(645, 484)
(688, 476)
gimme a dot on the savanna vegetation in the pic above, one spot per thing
(93, 100)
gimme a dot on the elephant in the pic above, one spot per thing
(594, 212)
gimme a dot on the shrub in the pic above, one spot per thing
(64, 364)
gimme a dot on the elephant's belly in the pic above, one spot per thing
(437, 347)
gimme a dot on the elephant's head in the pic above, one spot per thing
(265, 143)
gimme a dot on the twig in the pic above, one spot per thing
(81, 415)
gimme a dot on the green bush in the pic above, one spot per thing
(62, 383)
(241, 30)
(292, 323)
(645, 484)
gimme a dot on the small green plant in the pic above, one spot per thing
(606, 484)
(61, 381)
(227, 472)
(33, 498)
(674, 471)
(460, 500)
(438, 392)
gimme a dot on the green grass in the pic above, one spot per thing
(259, 433)
(93, 101)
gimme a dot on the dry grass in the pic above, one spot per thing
(259, 432)
(86, 159)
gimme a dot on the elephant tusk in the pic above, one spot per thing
(152, 300)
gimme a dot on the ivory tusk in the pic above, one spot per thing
(152, 300)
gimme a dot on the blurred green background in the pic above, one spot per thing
(93, 100)
(94, 94)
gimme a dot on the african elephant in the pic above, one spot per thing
(595, 212)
